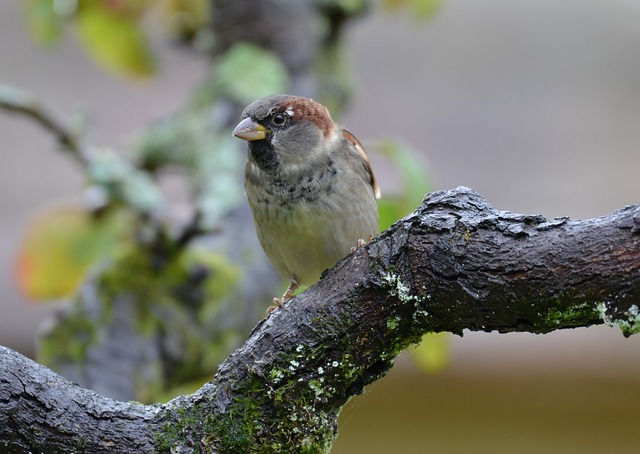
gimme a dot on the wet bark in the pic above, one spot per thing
(454, 264)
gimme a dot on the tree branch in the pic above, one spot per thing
(20, 102)
(455, 263)
(42, 412)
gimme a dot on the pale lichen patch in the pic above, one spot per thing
(629, 323)
(399, 289)
(632, 323)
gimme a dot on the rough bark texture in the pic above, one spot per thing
(456, 263)
(42, 412)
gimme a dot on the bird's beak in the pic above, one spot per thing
(249, 130)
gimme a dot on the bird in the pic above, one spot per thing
(310, 187)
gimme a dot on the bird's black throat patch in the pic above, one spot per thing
(264, 155)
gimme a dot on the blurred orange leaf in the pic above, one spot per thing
(59, 248)
(415, 182)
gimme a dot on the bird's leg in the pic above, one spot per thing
(288, 294)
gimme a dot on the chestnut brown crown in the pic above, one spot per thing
(286, 132)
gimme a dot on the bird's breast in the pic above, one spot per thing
(306, 225)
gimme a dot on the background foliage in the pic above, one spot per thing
(124, 255)
(494, 93)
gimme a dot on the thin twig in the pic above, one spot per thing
(24, 103)
(191, 230)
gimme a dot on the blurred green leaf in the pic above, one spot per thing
(420, 9)
(247, 72)
(413, 175)
(114, 39)
(43, 24)
(433, 353)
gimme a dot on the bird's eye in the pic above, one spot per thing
(279, 119)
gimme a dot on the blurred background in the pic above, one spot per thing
(536, 105)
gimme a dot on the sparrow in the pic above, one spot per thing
(310, 187)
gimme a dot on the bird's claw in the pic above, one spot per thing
(280, 302)
(361, 243)
(277, 303)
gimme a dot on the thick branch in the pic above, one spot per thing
(456, 263)
(42, 412)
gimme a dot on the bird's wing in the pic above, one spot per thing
(365, 160)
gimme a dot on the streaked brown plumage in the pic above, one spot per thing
(310, 186)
